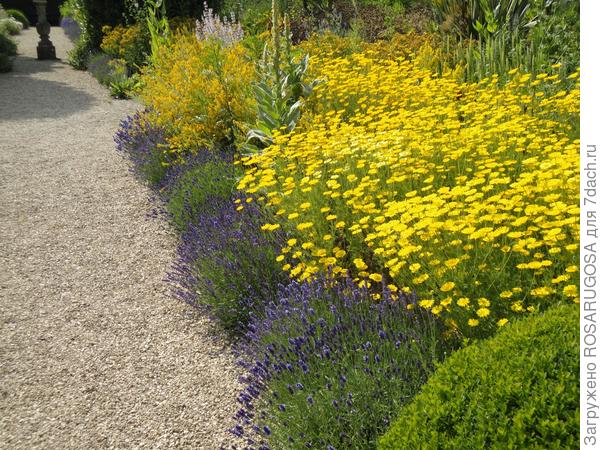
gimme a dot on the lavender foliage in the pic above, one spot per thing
(143, 143)
(204, 183)
(327, 367)
(226, 264)
(227, 30)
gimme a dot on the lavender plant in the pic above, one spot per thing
(227, 30)
(194, 188)
(142, 143)
(71, 28)
(226, 264)
(328, 368)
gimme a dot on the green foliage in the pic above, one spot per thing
(556, 33)
(19, 16)
(197, 187)
(369, 19)
(158, 26)
(124, 88)
(518, 389)
(91, 16)
(10, 26)
(70, 8)
(254, 15)
(278, 100)
(533, 35)
(80, 55)
(5, 61)
(113, 74)
(8, 46)
(469, 18)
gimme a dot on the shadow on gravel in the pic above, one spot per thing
(26, 65)
(25, 97)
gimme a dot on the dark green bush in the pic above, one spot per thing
(370, 19)
(557, 33)
(5, 63)
(517, 390)
(18, 15)
(531, 34)
(7, 45)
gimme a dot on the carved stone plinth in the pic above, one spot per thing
(45, 48)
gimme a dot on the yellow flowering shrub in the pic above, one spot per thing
(126, 43)
(466, 194)
(201, 92)
(116, 40)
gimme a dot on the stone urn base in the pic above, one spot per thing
(46, 51)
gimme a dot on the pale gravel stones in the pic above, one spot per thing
(93, 352)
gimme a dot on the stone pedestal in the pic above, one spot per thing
(45, 48)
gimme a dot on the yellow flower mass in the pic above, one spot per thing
(438, 186)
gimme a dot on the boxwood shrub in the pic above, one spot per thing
(519, 389)
(19, 16)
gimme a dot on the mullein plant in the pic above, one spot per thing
(281, 86)
(328, 368)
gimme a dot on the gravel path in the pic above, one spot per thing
(93, 353)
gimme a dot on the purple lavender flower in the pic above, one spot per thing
(217, 265)
(142, 143)
(353, 335)
(71, 28)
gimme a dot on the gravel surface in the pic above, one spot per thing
(93, 352)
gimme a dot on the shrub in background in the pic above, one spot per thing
(99, 66)
(128, 43)
(91, 16)
(114, 74)
(9, 25)
(226, 263)
(19, 16)
(518, 389)
(557, 33)
(8, 46)
(489, 38)
(328, 368)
